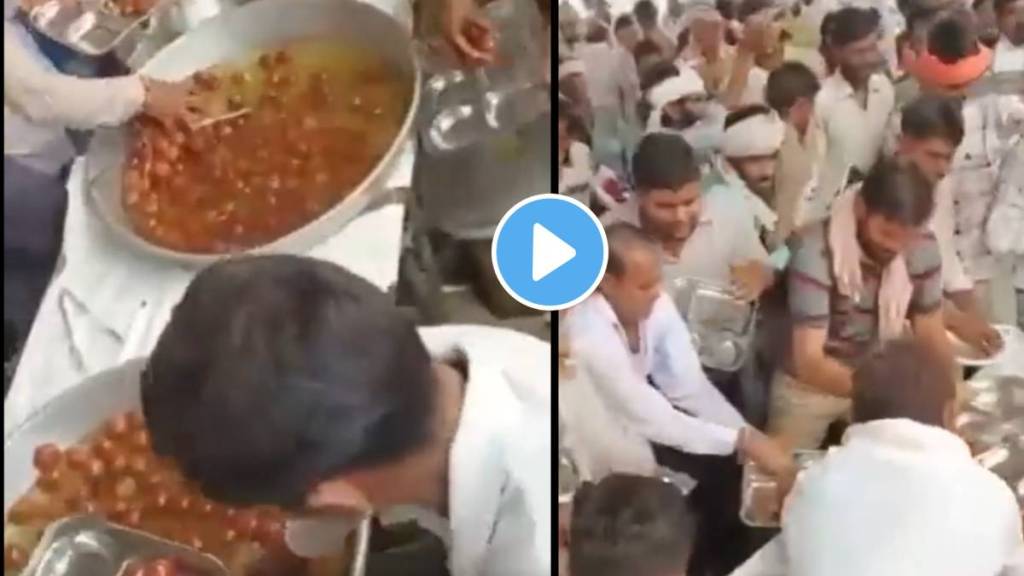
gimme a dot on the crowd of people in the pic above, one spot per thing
(851, 171)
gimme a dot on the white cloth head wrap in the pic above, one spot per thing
(757, 135)
(686, 83)
(570, 67)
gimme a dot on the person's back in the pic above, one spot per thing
(903, 494)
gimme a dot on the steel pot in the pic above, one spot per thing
(237, 34)
(80, 411)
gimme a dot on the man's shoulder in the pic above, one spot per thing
(923, 256)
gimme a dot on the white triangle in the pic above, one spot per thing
(549, 252)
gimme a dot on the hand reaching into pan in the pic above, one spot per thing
(170, 101)
(468, 32)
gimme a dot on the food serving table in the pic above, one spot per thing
(109, 302)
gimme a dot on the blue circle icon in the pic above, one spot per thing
(549, 252)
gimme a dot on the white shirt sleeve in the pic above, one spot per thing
(678, 372)
(954, 277)
(600, 350)
(1005, 228)
(45, 96)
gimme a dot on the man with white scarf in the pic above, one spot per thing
(682, 105)
(902, 495)
(746, 167)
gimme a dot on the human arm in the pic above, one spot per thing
(817, 369)
(46, 96)
(924, 263)
(963, 317)
(467, 31)
(1005, 226)
(602, 352)
(751, 268)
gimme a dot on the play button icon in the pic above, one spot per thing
(549, 252)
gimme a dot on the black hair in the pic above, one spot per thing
(748, 8)
(851, 24)
(749, 111)
(898, 192)
(933, 116)
(902, 379)
(727, 8)
(623, 21)
(788, 83)
(276, 373)
(628, 525)
(952, 39)
(646, 13)
(1001, 6)
(664, 161)
(828, 25)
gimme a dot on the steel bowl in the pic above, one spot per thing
(237, 34)
(80, 411)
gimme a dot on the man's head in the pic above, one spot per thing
(646, 14)
(953, 57)
(279, 374)
(627, 33)
(630, 526)
(931, 130)
(894, 203)
(1010, 19)
(707, 27)
(751, 143)
(596, 31)
(986, 22)
(904, 379)
(569, 23)
(668, 191)
(790, 91)
(632, 280)
(854, 42)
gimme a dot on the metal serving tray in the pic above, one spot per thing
(91, 546)
(86, 26)
(722, 325)
(759, 506)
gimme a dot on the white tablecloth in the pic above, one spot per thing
(110, 302)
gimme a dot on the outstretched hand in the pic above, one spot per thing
(468, 32)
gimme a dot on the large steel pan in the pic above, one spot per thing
(236, 35)
(80, 411)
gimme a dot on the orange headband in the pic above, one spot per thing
(930, 70)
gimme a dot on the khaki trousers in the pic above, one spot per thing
(800, 416)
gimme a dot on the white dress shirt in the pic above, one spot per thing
(683, 409)
(611, 75)
(40, 102)
(899, 498)
(853, 135)
(1005, 229)
(1008, 58)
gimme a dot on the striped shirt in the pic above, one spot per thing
(815, 301)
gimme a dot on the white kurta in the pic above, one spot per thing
(500, 491)
(900, 498)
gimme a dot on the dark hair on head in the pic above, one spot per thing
(628, 525)
(276, 373)
(727, 8)
(852, 24)
(828, 25)
(664, 161)
(657, 73)
(646, 13)
(902, 379)
(1001, 7)
(898, 192)
(788, 83)
(952, 39)
(748, 8)
(682, 39)
(597, 32)
(749, 111)
(933, 116)
(623, 237)
(623, 21)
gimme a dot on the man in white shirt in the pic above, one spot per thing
(902, 495)
(303, 386)
(640, 356)
(1009, 56)
(853, 107)
(40, 104)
